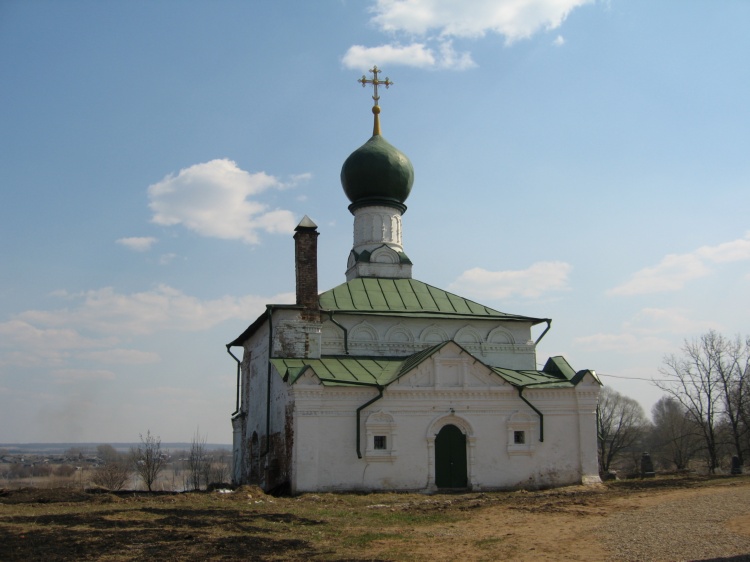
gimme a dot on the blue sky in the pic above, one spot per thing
(580, 160)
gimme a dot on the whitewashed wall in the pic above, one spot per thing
(485, 408)
(313, 428)
(505, 344)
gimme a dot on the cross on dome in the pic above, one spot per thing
(377, 174)
(375, 82)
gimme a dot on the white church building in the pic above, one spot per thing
(388, 383)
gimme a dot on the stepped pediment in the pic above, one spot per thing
(450, 367)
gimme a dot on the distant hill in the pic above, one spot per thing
(56, 448)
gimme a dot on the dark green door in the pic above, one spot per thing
(450, 458)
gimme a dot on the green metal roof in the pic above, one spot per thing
(557, 373)
(337, 370)
(394, 297)
(532, 378)
(343, 370)
(364, 256)
(559, 366)
(374, 295)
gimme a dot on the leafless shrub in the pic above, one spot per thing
(198, 462)
(621, 424)
(148, 459)
(219, 473)
(65, 470)
(113, 475)
(711, 380)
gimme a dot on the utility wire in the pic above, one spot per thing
(626, 378)
(633, 378)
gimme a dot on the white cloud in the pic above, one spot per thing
(559, 41)
(736, 250)
(513, 19)
(438, 22)
(623, 342)
(175, 396)
(416, 54)
(296, 179)
(177, 392)
(214, 200)
(121, 356)
(452, 60)
(91, 329)
(276, 222)
(104, 311)
(137, 243)
(649, 330)
(540, 278)
(26, 333)
(74, 376)
(670, 274)
(674, 270)
(668, 321)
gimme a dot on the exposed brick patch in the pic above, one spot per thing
(306, 270)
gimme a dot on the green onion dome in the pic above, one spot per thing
(377, 173)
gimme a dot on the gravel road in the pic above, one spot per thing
(696, 528)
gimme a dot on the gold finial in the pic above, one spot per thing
(375, 83)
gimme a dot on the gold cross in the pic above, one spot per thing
(375, 82)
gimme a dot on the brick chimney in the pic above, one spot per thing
(306, 267)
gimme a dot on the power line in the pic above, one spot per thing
(633, 378)
(627, 378)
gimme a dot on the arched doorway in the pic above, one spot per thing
(450, 458)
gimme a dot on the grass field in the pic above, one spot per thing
(69, 524)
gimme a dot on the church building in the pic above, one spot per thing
(388, 383)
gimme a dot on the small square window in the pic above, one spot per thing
(519, 437)
(380, 443)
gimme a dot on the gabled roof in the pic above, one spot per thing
(347, 370)
(395, 297)
(351, 370)
(342, 370)
(375, 295)
(557, 373)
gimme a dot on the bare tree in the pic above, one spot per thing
(74, 453)
(116, 470)
(219, 468)
(198, 461)
(675, 438)
(745, 415)
(710, 380)
(734, 373)
(621, 423)
(148, 460)
(107, 453)
(112, 475)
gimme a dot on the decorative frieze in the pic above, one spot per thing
(376, 225)
(406, 339)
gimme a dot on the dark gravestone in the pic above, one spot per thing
(736, 465)
(647, 466)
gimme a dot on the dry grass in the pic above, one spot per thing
(64, 524)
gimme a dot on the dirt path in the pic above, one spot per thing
(651, 525)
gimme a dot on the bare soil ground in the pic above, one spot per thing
(656, 519)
